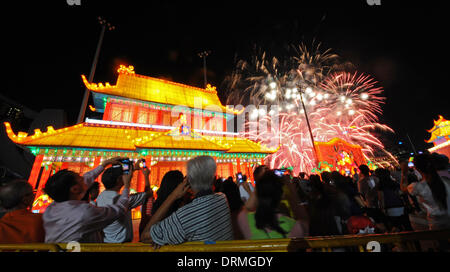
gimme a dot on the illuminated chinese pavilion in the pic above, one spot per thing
(440, 136)
(164, 122)
(338, 155)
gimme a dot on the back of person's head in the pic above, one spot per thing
(323, 208)
(343, 182)
(326, 176)
(269, 190)
(424, 164)
(315, 179)
(411, 178)
(201, 172)
(231, 190)
(302, 175)
(336, 176)
(347, 180)
(58, 186)
(382, 173)
(16, 194)
(440, 161)
(384, 176)
(111, 178)
(364, 169)
(302, 194)
(259, 171)
(217, 184)
(169, 182)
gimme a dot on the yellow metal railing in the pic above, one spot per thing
(29, 248)
(406, 240)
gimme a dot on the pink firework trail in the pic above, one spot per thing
(339, 104)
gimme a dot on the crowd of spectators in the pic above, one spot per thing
(203, 207)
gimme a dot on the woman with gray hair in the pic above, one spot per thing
(206, 218)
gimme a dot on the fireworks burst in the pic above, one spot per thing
(338, 103)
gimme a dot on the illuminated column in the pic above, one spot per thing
(148, 162)
(230, 169)
(35, 170)
(250, 174)
(159, 120)
(224, 126)
(107, 112)
(44, 177)
(97, 162)
(135, 113)
(246, 169)
(64, 165)
(262, 161)
(238, 164)
(140, 182)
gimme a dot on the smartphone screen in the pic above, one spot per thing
(239, 178)
(410, 164)
(279, 172)
(126, 166)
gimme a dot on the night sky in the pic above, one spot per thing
(49, 44)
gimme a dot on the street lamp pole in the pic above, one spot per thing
(203, 55)
(414, 149)
(309, 128)
(104, 25)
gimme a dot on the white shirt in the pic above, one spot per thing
(425, 197)
(121, 230)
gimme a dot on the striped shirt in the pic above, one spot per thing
(206, 218)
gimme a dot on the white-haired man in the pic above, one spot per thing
(206, 218)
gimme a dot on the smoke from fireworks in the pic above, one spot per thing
(338, 104)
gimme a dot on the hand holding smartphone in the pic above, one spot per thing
(279, 172)
(126, 165)
(239, 178)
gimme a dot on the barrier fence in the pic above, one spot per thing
(405, 241)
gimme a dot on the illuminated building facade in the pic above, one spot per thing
(164, 122)
(440, 136)
(338, 155)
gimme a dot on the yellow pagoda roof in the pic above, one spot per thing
(168, 141)
(238, 144)
(103, 136)
(441, 128)
(134, 86)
